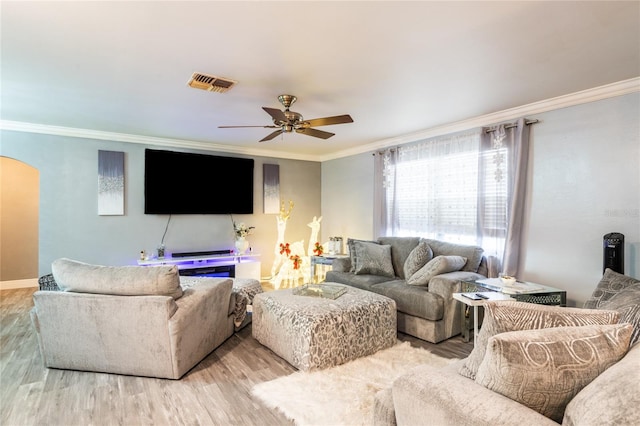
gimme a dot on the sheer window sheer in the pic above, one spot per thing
(464, 188)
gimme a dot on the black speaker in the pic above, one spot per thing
(614, 252)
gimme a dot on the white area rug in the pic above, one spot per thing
(342, 395)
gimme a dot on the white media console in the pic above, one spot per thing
(230, 265)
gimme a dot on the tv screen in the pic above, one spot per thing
(185, 183)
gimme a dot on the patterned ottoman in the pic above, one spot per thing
(313, 333)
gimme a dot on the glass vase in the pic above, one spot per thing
(241, 245)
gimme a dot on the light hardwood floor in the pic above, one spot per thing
(215, 392)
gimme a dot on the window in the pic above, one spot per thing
(447, 189)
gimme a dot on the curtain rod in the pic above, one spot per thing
(510, 125)
(489, 130)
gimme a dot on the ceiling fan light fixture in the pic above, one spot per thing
(210, 83)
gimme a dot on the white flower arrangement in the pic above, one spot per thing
(242, 230)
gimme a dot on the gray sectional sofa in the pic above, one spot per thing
(585, 375)
(397, 268)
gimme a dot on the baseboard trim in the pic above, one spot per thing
(7, 285)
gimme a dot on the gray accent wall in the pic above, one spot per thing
(584, 182)
(69, 224)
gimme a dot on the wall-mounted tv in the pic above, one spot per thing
(186, 183)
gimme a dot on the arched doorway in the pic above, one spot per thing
(19, 210)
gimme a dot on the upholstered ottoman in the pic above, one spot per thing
(313, 333)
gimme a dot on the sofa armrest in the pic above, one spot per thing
(440, 396)
(201, 322)
(447, 284)
(444, 285)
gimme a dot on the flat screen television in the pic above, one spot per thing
(187, 183)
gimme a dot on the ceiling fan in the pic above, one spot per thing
(288, 121)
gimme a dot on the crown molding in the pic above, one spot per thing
(20, 126)
(619, 88)
(585, 96)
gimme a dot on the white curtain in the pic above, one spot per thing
(463, 188)
(507, 149)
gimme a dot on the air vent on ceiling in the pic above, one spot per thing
(210, 83)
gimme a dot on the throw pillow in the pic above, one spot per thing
(373, 259)
(510, 315)
(418, 257)
(544, 369)
(611, 283)
(627, 303)
(436, 266)
(401, 247)
(352, 251)
(612, 398)
(472, 253)
(82, 277)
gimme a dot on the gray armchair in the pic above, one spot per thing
(130, 320)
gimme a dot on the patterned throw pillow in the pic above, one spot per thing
(373, 259)
(504, 316)
(418, 257)
(627, 303)
(611, 283)
(352, 251)
(436, 266)
(544, 369)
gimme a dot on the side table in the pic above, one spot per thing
(538, 294)
(460, 297)
(325, 259)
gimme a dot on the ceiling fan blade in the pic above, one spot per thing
(325, 121)
(276, 114)
(239, 127)
(271, 135)
(315, 133)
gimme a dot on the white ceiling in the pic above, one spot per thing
(396, 67)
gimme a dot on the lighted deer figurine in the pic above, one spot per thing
(315, 228)
(294, 267)
(281, 221)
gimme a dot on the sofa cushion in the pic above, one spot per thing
(611, 283)
(627, 303)
(612, 398)
(82, 277)
(363, 282)
(544, 369)
(418, 257)
(352, 251)
(436, 266)
(401, 247)
(373, 259)
(504, 316)
(412, 300)
(472, 253)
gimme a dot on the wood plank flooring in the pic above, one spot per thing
(215, 392)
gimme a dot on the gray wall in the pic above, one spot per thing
(70, 226)
(584, 182)
(347, 197)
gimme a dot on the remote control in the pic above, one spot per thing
(482, 296)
